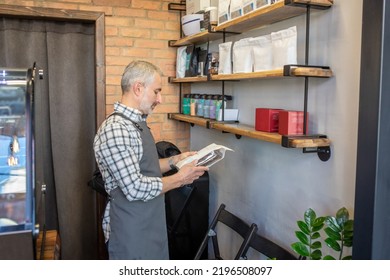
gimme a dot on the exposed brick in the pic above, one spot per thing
(153, 44)
(112, 90)
(106, 10)
(136, 53)
(167, 108)
(113, 3)
(113, 80)
(117, 60)
(114, 70)
(173, 25)
(162, 15)
(147, 5)
(169, 99)
(126, 12)
(119, 21)
(109, 108)
(113, 51)
(148, 23)
(135, 32)
(163, 54)
(111, 31)
(61, 6)
(164, 35)
(75, 1)
(111, 99)
(119, 42)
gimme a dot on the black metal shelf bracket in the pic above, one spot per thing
(323, 153)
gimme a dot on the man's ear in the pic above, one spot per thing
(138, 88)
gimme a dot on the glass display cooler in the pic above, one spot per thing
(17, 214)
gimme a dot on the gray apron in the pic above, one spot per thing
(138, 228)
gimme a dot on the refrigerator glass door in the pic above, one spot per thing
(16, 150)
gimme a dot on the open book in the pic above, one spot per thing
(207, 156)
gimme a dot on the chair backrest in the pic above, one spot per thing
(268, 249)
(235, 223)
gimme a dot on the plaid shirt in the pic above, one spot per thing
(118, 151)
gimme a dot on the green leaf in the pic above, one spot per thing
(302, 237)
(332, 234)
(300, 249)
(316, 255)
(329, 257)
(319, 222)
(342, 216)
(332, 223)
(348, 225)
(316, 245)
(309, 216)
(333, 244)
(317, 228)
(347, 258)
(315, 235)
(303, 227)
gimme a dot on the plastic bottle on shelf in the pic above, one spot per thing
(206, 106)
(193, 104)
(213, 104)
(200, 105)
(186, 104)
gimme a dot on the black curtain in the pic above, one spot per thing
(64, 123)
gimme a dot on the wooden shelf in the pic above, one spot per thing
(248, 131)
(253, 75)
(267, 15)
(198, 38)
(299, 71)
(188, 80)
(189, 119)
(270, 14)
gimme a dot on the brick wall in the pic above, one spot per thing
(135, 29)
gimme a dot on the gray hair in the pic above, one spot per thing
(138, 71)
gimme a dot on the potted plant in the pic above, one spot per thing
(338, 229)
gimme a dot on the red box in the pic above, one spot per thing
(291, 122)
(267, 119)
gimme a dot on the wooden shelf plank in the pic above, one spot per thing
(311, 72)
(267, 15)
(321, 3)
(253, 75)
(198, 38)
(309, 143)
(189, 119)
(296, 72)
(249, 131)
(188, 80)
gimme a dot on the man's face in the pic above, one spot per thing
(151, 95)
